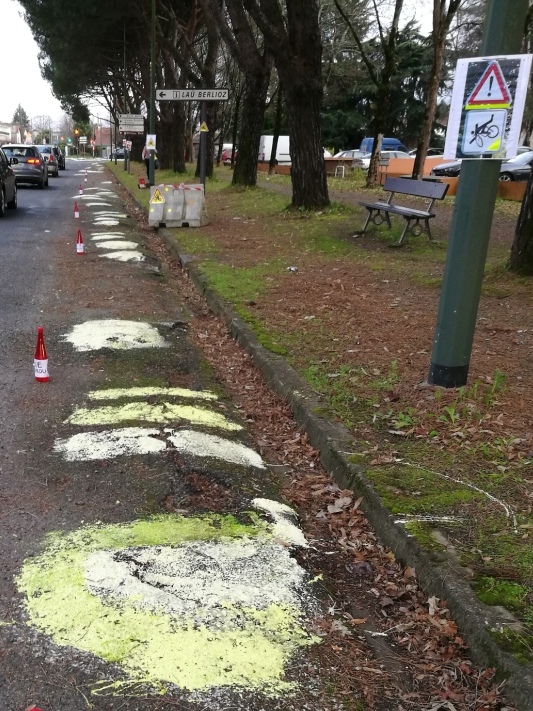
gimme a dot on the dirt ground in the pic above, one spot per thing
(362, 315)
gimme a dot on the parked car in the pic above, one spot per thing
(49, 155)
(118, 154)
(353, 153)
(60, 158)
(387, 144)
(430, 152)
(364, 162)
(30, 166)
(226, 156)
(8, 183)
(517, 168)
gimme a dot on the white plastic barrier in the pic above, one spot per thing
(177, 206)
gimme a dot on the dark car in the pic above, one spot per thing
(510, 170)
(118, 154)
(8, 184)
(60, 157)
(48, 153)
(30, 167)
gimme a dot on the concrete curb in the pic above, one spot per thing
(442, 577)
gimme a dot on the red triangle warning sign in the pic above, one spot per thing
(491, 91)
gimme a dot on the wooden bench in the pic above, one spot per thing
(416, 220)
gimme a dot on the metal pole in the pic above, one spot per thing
(125, 98)
(471, 224)
(151, 164)
(203, 153)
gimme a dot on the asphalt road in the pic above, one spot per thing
(132, 575)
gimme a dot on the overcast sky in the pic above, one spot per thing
(23, 84)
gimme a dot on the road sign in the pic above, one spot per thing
(82, 139)
(488, 99)
(491, 91)
(157, 197)
(131, 123)
(192, 94)
(203, 127)
(151, 141)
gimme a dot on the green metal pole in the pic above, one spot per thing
(471, 224)
(151, 164)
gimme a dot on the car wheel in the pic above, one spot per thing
(42, 184)
(506, 177)
(2, 203)
(13, 204)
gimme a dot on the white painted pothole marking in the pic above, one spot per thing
(98, 204)
(125, 256)
(202, 603)
(107, 223)
(114, 333)
(285, 521)
(144, 392)
(162, 413)
(97, 236)
(201, 444)
(129, 441)
(116, 244)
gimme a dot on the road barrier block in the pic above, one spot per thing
(177, 206)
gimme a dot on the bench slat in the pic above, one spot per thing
(417, 188)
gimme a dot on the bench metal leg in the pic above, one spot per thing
(416, 229)
(377, 217)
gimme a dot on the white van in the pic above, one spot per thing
(282, 152)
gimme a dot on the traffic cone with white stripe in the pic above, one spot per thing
(76, 211)
(85, 176)
(40, 360)
(80, 247)
(80, 191)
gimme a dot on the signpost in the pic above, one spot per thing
(131, 123)
(192, 94)
(201, 95)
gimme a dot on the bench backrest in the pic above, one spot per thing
(418, 188)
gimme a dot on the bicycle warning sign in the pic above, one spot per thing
(487, 107)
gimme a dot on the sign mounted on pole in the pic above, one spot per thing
(131, 123)
(488, 99)
(192, 94)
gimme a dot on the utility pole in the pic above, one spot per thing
(471, 224)
(151, 164)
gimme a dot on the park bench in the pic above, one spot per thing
(416, 220)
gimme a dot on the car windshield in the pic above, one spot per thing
(522, 159)
(19, 151)
(45, 149)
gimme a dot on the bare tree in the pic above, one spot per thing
(443, 15)
(381, 78)
(292, 33)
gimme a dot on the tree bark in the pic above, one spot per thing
(442, 19)
(295, 41)
(521, 257)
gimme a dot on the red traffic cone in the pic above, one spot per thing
(33, 708)
(80, 191)
(80, 247)
(40, 361)
(76, 211)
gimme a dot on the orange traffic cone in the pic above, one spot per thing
(80, 247)
(40, 361)
(80, 191)
(76, 211)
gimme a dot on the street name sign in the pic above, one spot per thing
(82, 139)
(192, 94)
(131, 123)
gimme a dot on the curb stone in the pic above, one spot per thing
(442, 577)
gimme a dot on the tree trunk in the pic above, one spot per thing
(277, 130)
(521, 257)
(251, 127)
(441, 25)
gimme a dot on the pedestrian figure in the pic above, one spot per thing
(146, 159)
